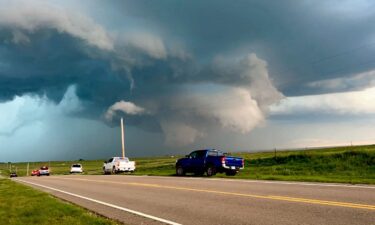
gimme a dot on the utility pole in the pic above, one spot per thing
(27, 170)
(123, 138)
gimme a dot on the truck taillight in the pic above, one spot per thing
(243, 162)
(223, 160)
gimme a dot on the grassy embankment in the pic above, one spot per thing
(339, 164)
(21, 205)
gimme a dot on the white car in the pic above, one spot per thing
(118, 164)
(76, 168)
(44, 171)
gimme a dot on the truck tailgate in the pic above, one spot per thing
(126, 164)
(233, 161)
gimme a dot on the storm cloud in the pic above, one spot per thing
(133, 73)
(184, 78)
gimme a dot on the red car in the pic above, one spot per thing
(35, 173)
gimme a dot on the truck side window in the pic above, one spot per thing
(193, 155)
(198, 154)
(110, 160)
(201, 154)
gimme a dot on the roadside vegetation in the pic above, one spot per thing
(343, 164)
(21, 205)
(352, 164)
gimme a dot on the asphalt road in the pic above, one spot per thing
(176, 200)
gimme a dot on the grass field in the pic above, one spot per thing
(21, 205)
(353, 164)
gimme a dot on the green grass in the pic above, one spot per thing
(21, 205)
(344, 165)
(352, 164)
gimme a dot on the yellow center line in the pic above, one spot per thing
(272, 197)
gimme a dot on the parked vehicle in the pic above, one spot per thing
(76, 168)
(13, 174)
(209, 161)
(44, 171)
(118, 164)
(35, 173)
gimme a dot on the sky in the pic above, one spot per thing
(184, 75)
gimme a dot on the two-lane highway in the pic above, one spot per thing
(176, 200)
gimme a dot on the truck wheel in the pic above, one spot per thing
(114, 170)
(180, 171)
(211, 170)
(230, 173)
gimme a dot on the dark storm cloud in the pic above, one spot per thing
(49, 63)
(117, 70)
(182, 68)
(303, 41)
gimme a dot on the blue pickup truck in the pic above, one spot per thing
(209, 161)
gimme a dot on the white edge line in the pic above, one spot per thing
(104, 203)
